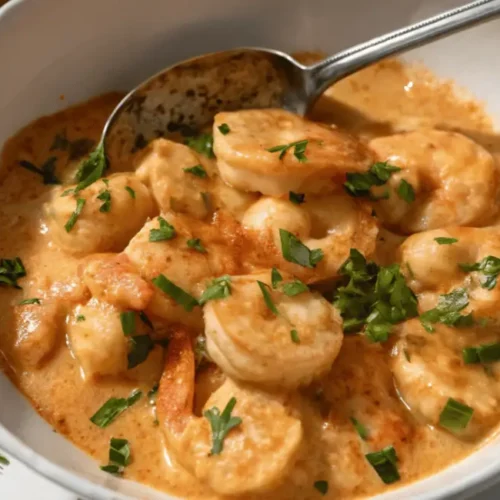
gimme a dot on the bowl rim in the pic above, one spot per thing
(472, 484)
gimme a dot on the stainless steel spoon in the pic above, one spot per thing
(185, 97)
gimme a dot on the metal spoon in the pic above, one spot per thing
(185, 97)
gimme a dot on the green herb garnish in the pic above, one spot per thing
(113, 407)
(299, 148)
(164, 233)
(441, 240)
(127, 320)
(296, 198)
(219, 288)
(80, 203)
(144, 318)
(10, 271)
(187, 301)
(46, 171)
(203, 144)
(79, 318)
(406, 192)
(484, 353)
(196, 244)
(105, 197)
(385, 464)
(448, 310)
(224, 129)
(119, 456)
(489, 267)
(30, 301)
(130, 191)
(294, 335)
(360, 429)
(4, 462)
(221, 424)
(267, 297)
(294, 288)
(359, 184)
(140, 347)
(321, 486)
(276, 278)
(455, 416)
(92, 169)
(295, 251)
(197, 170)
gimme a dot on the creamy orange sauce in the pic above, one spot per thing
(378, 101)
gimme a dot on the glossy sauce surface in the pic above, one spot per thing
(382, 100)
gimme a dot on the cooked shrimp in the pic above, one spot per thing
(256, 454)
(434, 269)
(195, 193)
(245, 162)
(111, 278)
(251, 343)
(455, 181)
(96, 230)
(360, 386)
(429, 369)
(39, 330)
(334, 224)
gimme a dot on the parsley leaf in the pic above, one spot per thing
(359, 184)
(299, 148)
(224, 129)
(295, 251)
(455, 416)
(219, 288)
(80, 203)
(384, 463)
(140, 347)
(441, 240)
(119, 456)
(112, 408)
(276, 278)
(10, 271)
(164, 233)
(196, 244)
(197, 170)
(360, 429)
(267, 298)
(46, 171)
(4, 462)
(448, 310)
(30, 301)
(105, 197)
(187, 301)
(92, 169)
(127, 320)
(321, 486)
(296, 198)
(294, 335)
(203, 144)
(294, 288)
(490, 269)
(79, 318)
(221, 424)
(130, 191)
(484, 353)
(406, 192)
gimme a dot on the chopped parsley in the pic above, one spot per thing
(219, 288)
(385, 464)
(184, 299)
(455, 416)
(295, 287)
(373, 297)
(294, 335)
(406, 192)
(105, 197)
(67, 192)
(164, 233)
(144, 318)
(441, 240)
(197, 170)
(4, 462)
(80, 203)
(295, 251)
(224, 129)
(203, 144)
(140, 347)
(46, 171)
(92, 169)
(10, 271)
(359, 184)
(267, 297)
(119, 456)
(127, 320)
(221, 424)
(296, 198)
(448, 310)
(360, 429)
(299, 148)
(196, 244)
(321, 486)
(276, 278)
(112, 408)
(30, 301)
(79, 318)
(130, 191)
(484, 353)
(489, 267)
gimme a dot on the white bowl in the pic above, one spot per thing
(87, 47)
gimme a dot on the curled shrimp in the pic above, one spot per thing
(258, 450)
(455, 181)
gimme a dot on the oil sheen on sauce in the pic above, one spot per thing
(380, 100)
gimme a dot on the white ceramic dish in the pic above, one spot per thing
(80, 48)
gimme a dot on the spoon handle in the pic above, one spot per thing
(344, 63)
